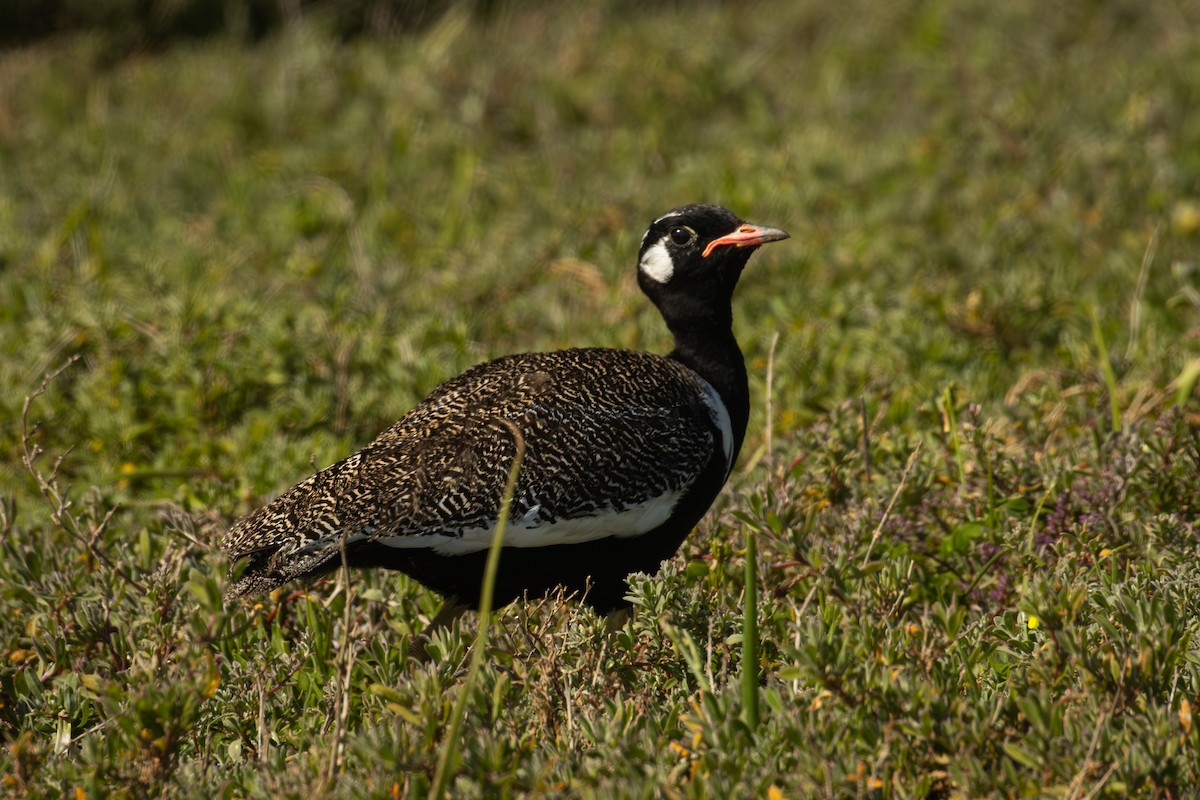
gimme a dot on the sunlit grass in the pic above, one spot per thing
(975, 517)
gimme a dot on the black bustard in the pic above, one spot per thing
(624, 453)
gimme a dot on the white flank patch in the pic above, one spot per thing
(632, 521)
(720, 417)
(657, 264)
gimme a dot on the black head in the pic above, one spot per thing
(692, 256)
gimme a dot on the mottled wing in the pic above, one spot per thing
(613, 439)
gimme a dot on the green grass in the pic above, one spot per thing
(977, 524)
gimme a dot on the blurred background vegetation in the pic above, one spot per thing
(131, 25)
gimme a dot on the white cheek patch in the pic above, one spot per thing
(656, 264)
(629, 522)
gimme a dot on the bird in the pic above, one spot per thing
(624, 453)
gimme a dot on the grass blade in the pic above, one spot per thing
(451, 739)
(750, 635)
(1106, 369)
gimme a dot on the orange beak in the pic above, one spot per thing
(747, 236)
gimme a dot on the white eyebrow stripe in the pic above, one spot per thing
(668, 215)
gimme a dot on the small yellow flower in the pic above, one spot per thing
(126, 469)
(1034, 623)
(1105, 553)
(773, 793)
(1185, 716)
(1185, 217)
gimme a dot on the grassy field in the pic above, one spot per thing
(972, 467)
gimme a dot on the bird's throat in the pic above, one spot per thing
(714, 355)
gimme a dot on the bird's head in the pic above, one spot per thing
(692, 256)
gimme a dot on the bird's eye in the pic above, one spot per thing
(682, 236)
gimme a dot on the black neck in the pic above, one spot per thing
(711, 352)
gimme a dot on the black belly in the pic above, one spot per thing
(593, 572)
